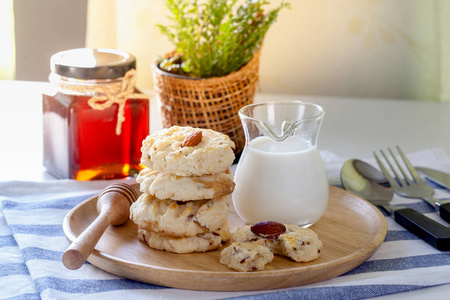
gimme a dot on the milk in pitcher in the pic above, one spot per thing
(282, 181)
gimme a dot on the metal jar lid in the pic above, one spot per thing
(86, 63)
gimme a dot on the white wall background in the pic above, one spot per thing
(42, 28)
(363, 48)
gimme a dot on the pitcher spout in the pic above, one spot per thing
(289, 119)
(288, 128)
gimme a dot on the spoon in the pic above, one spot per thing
(113, 206)
(363, 180)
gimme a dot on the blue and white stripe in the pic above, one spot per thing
(32, 243)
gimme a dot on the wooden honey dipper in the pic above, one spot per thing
(113, 206)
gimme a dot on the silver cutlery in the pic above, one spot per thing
(435, 176)
(411, 185)
(360, 178)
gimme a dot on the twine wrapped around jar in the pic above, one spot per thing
(107, 93)
(211, 103)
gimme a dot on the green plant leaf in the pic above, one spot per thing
(214, 37)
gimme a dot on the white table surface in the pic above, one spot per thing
(352, 128)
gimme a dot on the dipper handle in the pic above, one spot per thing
(113, 205)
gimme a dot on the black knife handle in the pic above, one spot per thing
(425, 228)
(444, 211)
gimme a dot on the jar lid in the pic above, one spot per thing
(86, 63)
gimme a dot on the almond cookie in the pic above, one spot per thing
(246, 257)
(200, 243)
(179, 219)
(168, 186)
(298, 243)
(183, 151)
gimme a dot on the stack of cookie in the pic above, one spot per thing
(186, 188)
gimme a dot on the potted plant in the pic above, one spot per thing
(213, 71)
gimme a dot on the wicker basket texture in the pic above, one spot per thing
(211, 103)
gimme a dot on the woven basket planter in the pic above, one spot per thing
(211, 103)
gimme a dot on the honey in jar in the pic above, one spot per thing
(94, 119)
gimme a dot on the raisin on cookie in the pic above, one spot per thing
(199, 243)
(246, 256)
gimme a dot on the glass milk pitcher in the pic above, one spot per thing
(280, 176)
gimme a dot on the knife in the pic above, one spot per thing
(436, 176)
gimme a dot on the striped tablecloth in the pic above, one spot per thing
(32, 242)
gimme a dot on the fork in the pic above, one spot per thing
(411, 185)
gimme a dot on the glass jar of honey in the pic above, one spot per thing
(94, 119)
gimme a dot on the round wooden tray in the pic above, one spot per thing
(351, 231)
